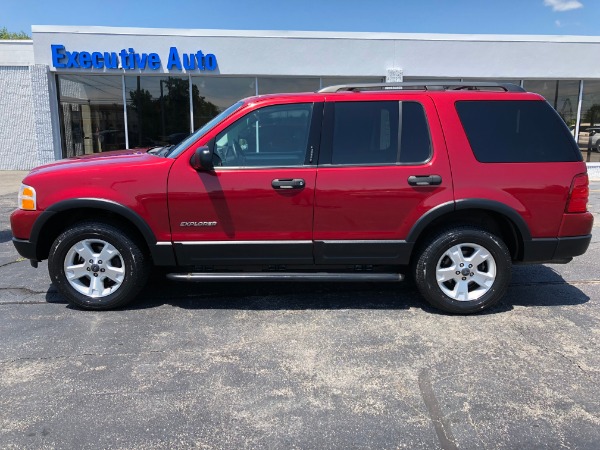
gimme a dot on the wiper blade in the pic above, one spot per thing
(160, 151)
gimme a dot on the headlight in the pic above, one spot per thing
(27, 198)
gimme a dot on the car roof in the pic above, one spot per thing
(389, 94)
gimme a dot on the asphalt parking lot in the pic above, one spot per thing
(300, 365)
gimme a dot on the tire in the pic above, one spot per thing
(97, 266)
(481, 281)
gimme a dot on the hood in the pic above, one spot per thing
(121, 157)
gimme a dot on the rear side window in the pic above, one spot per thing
(516, 131)
(379, 133)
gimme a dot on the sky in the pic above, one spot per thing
(550, 17)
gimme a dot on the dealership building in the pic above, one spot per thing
(80, 90)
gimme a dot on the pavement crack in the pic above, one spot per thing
(26, 293)
(467, 410)
(12, 262)
(556, 283)
(23, 289)
(85, 355)
(551, 350)
(26, 302)
(440, 423)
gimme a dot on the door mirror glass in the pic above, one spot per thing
(202, 159)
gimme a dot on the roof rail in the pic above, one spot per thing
(434, 85)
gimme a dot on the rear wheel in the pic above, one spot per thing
(97, 266)
(463, 270)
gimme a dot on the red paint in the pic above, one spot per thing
(337, 202)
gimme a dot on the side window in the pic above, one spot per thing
(380, 133)
(274, 136)
(516, 131)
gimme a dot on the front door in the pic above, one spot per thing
(256, 207)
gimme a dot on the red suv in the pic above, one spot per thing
(450, 184)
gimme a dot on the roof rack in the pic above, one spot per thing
(426, 85)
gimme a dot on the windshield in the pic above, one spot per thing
(179, 148)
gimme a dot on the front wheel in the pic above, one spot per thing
(463, 270)
(97, 266)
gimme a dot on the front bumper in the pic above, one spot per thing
(26, 249)
(21, 224)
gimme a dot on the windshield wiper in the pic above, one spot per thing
(161, 151)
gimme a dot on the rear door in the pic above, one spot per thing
(383, 165)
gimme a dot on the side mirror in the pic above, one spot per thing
(593, 133)
(202, 159)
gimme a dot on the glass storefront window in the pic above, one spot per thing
(91, 113)
(274, 85)
(495, 80)
(212, 95)
(589, 125)
(158, 110)
(92, 116)
(334, 81)
(563, 95)
(430, 79)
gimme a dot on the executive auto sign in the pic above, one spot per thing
(129, 59)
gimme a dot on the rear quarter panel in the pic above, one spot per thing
(537, 191)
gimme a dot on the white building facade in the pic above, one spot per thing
(79, 90)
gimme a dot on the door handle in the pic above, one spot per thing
(424, 180)
(296, 183)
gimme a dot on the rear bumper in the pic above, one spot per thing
(560, 249)
(569, 247)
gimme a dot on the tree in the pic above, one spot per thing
(144, 125)
(592, 115)
(9, 35)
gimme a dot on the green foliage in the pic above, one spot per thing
(9, 35)
(157, 118)
(592, 115)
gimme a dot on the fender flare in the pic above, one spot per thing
(464, 204)
(162, 252)
(93, 203)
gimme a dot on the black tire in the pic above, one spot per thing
(129, 257)
(436, 250)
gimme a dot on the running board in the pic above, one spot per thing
(286, 276)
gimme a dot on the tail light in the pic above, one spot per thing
(578, 195)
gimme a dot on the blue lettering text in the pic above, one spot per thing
(210, 61)
(56, 56)
(111, 60)
(97, 61)
(85, 60)
(128, 59)
(154, 61)
(173, 59)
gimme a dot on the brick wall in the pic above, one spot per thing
(18, 135)
(42, 95)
